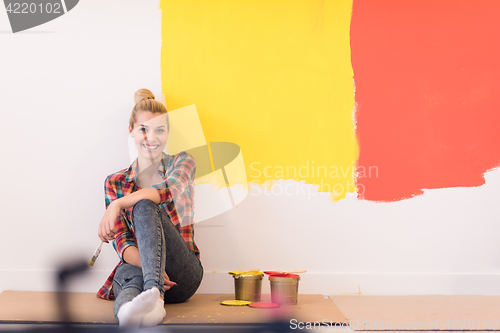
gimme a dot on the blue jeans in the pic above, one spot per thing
(161, 249)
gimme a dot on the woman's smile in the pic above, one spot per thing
(151, 148)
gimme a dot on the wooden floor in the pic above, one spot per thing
(86, 308)
(202, 312)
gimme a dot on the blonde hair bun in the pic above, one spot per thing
(143, 94)
(145, 101)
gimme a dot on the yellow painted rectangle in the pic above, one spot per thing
(273, 77)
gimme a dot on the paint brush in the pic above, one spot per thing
(285, 272)
(96, 254)
(253, 270)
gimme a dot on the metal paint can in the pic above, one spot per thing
(247, 287)
(284, 288)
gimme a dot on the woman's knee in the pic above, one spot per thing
(144, 206)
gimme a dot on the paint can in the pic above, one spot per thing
(247, 287)
(284, 288)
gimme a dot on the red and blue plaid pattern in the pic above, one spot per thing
(176, 199)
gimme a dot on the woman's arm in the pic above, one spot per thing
(118, 231)
(107, 227)
(131, 199)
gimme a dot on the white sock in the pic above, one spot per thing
(156, 316)
(131, 313)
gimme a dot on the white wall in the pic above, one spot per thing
(66, 94)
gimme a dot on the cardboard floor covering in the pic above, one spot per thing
(413, 313)
(41, 307)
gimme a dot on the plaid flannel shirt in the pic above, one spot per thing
(176, 199)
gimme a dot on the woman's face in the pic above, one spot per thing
(150, 134)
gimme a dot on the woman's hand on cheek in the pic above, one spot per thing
(107, 229)
(167, 284)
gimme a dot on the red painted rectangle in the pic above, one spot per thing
(427, 77)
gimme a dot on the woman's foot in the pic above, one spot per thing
(156, 316)
(131, 313)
